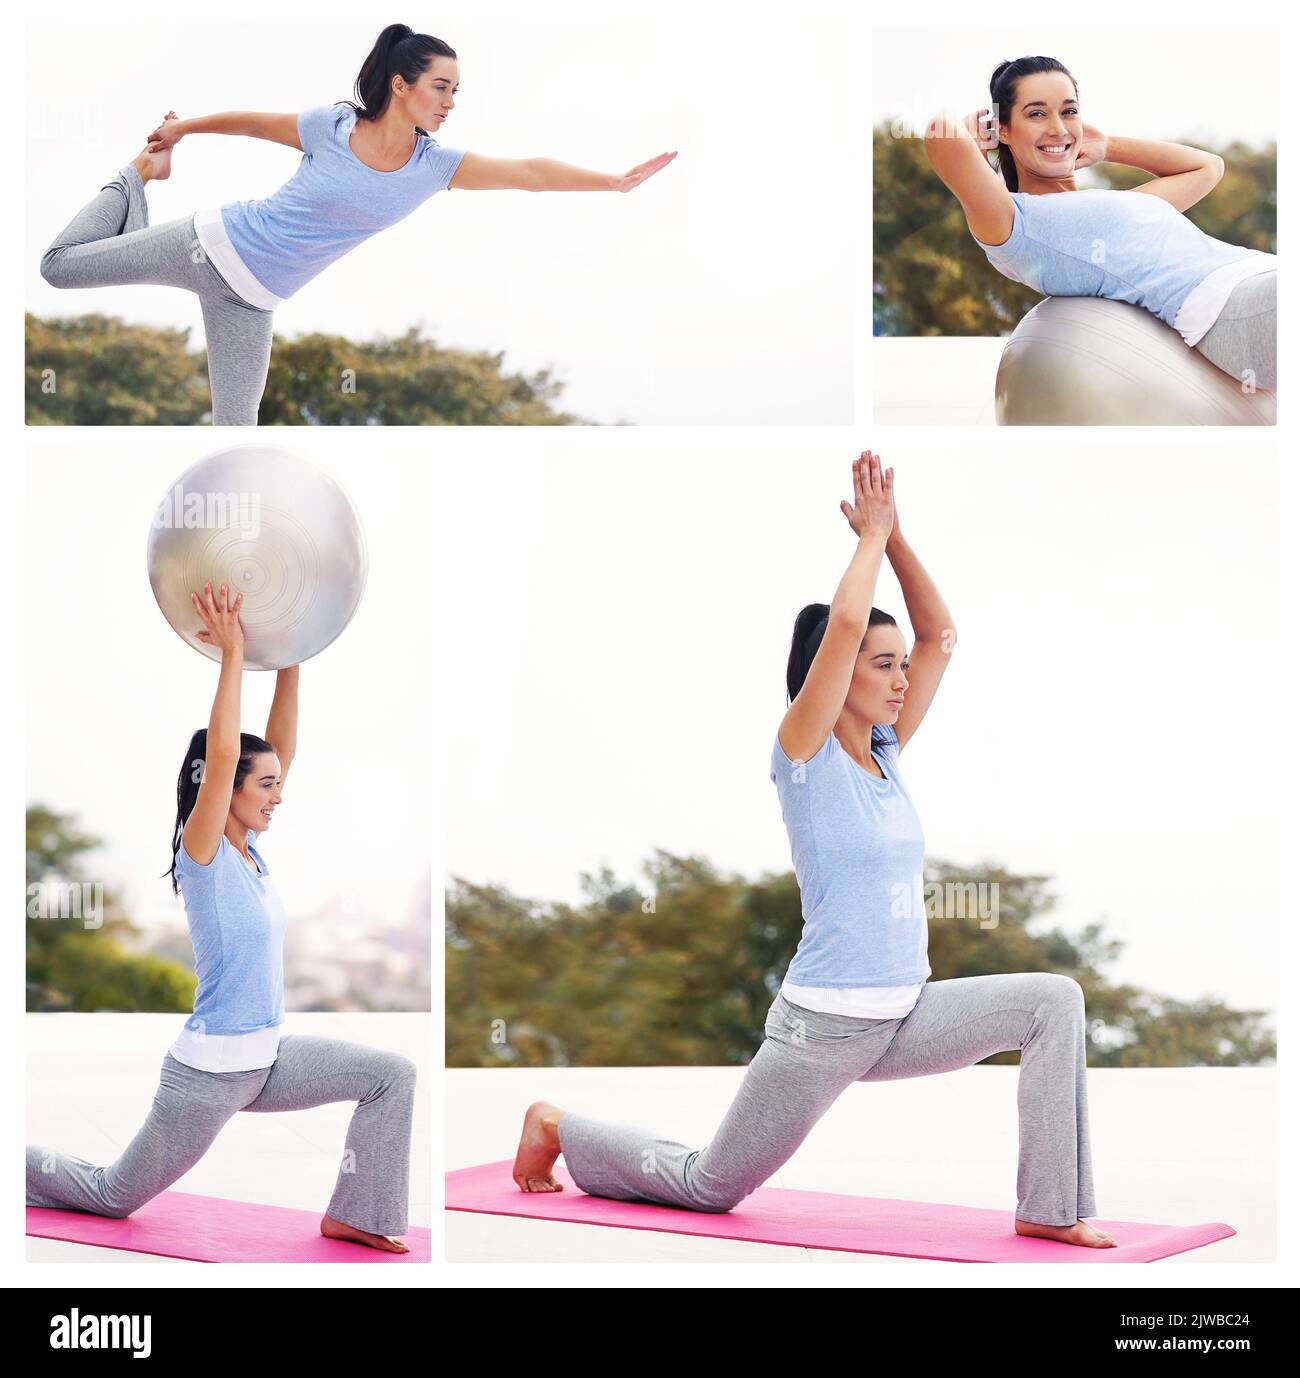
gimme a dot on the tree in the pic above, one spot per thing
(71, 966)
(99, 371)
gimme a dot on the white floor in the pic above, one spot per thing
(91, 1079)
(1176, 1146)
(934, 380)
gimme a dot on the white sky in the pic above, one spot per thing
(696, 298)
(625, 621)
(1189, 79)
(113, 694)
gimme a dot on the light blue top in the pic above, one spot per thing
(1124, 245)
(236, 924)
(331, 204)
(858, 854)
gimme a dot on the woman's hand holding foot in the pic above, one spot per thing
(157, 155)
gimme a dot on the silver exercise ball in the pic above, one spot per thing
(1089, 361)
(274, 527)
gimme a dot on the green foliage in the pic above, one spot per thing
(326, 380)
(684, 974)
(74, 967)
(99, 371)
(931, 278)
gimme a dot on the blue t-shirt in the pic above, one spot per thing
(236, 924)
(331, 204)
(1123, 245)
(858, 854)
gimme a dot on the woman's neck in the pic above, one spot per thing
(1033, 185)
(389, 139)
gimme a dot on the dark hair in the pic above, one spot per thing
(191, 777)
(397, 51)
(809, 628)
(1003, 85)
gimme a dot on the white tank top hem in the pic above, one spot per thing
(1207, 299)
(210, 231)
(864, 1002)
(244, 1052)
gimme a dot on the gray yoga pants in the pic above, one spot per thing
(807, 1059)
(1243, 341)
(110, 242)
(191, 1107)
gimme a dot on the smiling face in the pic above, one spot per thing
(431, 99)
(879, 682)
(1043, 128)
(252, 804)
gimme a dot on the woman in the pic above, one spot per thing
(1132, 246)
(365, 166)
(232, 1054)
(855, 1004)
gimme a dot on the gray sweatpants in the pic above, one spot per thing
(110, 242)
(1243, 341)
(807, 1059)
(190, 1108)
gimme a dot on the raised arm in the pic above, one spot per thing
(205, 825)
(957, 151)
(810, 718)
(280, 129)
(282, 722)
(1182, 174)
(477, 173)
(932, 626)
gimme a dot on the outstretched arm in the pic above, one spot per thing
(280, 129)
(282, 723)
(477, 173)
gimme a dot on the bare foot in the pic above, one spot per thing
(1078, 1233)
(539, 1147)
(336, 1229)
(155, 167)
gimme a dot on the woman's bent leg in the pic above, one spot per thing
(1243, 341)
(189, 1110)
(110, 242)
(373, 1181)
(805, 1062)
(958, 1023)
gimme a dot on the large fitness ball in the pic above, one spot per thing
(274, 527)
(1089, 361)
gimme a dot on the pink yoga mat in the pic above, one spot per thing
(822, 1220)
(211, 1230)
